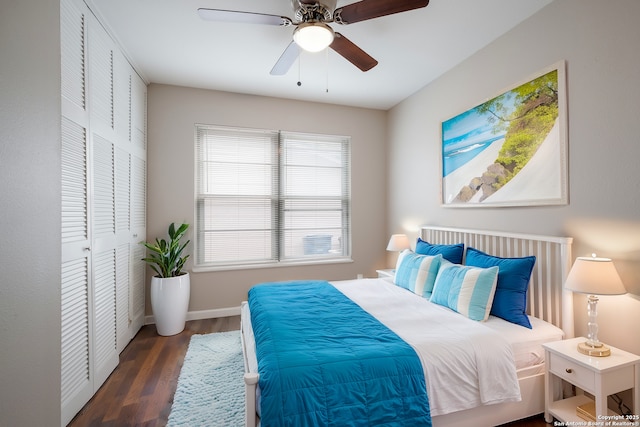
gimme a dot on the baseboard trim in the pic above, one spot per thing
(202, 314)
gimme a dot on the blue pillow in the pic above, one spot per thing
(417, 272)
(452, 253)
(467, 290)
(510, 301)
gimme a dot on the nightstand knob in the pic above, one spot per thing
(568, 370)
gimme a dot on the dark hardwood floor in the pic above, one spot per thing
(140, 390)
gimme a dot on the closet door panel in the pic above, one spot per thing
(75, 228)
(138, 197)
(123, 231)
(104, 257)
(139, 193)
(73, 36)
(103, 225)
(137, 299)
(102, 173)
(123, 281)
(122, 191)
(138, 223)
(104, 302)
(101, 83)
(138, 112)
(122, 97)
(76, 377)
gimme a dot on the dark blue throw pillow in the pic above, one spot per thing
(452, 253)
(510, 300)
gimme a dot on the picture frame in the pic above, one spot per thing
(510, 150)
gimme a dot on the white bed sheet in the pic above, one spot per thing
(526, 343)
(458, 355)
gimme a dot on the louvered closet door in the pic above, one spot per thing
(76, 378)
(103, 200)
(76, 345)
(138, 146)
(123, 252)
(130, 201)
(122, 125)
(104, 258)
(103, 204)
(138, 267)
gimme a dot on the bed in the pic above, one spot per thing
(451, 401)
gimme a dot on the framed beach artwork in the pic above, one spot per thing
(510, 150)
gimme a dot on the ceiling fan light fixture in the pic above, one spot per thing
(313, 36)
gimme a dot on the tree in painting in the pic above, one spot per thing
(521, 119)
(535, 113)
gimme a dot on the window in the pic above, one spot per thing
(269, 197)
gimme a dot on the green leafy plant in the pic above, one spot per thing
(165, 256)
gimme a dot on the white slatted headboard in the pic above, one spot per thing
(546, 299)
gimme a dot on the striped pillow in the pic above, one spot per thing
(467, 290)
(417, 272)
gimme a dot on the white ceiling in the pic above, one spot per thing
(168, 43)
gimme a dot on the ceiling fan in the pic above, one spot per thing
(312, 33)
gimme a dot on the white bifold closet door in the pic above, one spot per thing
(103, 130)
(76, 379)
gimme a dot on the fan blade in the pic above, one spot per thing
(369, 9)
(352, 53)
(243, 17)
(286, 60)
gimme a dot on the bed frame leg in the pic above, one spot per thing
(250, 382)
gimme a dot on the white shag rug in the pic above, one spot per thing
(210, 388)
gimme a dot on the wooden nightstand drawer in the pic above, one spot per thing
(572, 372)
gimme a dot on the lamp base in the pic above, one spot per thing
(589, 350)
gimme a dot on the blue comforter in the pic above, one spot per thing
(323, 361)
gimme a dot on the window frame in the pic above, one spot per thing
(277, 208)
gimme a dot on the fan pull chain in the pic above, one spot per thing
(327, 68)
(299, 66)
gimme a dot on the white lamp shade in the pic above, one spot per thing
(313, 36)
(398, 242)
(596, 276)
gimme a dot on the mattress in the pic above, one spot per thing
(526, 344)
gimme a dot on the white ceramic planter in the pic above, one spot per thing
(170, 302)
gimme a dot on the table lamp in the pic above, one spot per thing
(398, 243)
(594, 276)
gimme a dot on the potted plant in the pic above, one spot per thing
(170, 286)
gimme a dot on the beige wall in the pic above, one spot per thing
(30, 213)
(172, 113)
(597, 40)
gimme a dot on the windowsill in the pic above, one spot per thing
(208, 269)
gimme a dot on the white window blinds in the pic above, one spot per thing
(270, 197)
(315, 196)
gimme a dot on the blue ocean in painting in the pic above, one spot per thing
(457, 157)
(464, 137)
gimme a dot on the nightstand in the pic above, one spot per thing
(599, 376)
(389, 272)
